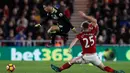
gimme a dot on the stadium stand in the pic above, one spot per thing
(114, 21)
(113, 18)
(18, 17)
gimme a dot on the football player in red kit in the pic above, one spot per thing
(87, 39)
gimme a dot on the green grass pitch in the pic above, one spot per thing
(44, 67)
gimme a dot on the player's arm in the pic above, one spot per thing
(62, 16)
(72, 44)
(38, 25)
(89, 18)
(71, 26)
(46, 18)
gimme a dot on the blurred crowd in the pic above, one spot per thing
(114, 20)
(18, 17)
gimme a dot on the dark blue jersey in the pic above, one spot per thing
(61, 20)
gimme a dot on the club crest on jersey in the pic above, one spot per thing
(60, 14)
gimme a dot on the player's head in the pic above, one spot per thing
(48, 7)
(84, 25)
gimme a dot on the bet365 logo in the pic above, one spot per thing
(45, 54)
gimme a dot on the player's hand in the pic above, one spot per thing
(37, 25)
(74, 30)
(69, 50)
(51, 32)
(81, 13)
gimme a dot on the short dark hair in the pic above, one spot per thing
(85, 24)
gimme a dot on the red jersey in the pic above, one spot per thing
(88, 40)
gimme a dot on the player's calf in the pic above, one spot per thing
(106, 68)
(109, 69)
(65, 66)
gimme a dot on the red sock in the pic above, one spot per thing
(108, 69)
(65, 66)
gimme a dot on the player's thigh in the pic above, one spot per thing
(78, 60)
(95, 60)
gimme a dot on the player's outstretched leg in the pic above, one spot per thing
(76, 60)
(109, 69)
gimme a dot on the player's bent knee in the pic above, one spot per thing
(55, 27)
(70, 63)
(76, 60)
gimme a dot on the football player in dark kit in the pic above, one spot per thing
(61, 25)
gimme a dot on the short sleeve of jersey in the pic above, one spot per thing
(78, 36)
(96, 30)
(96, 27)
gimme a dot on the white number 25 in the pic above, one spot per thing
(88, 39)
